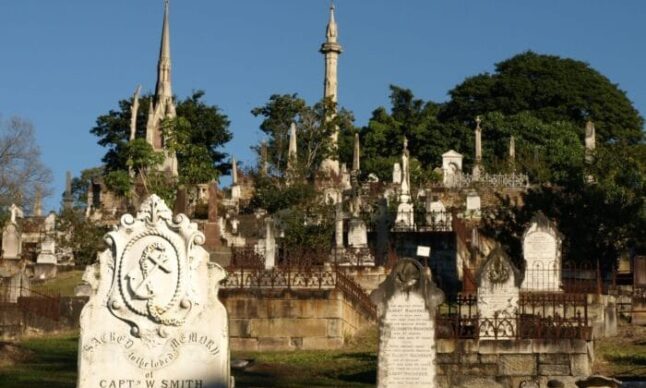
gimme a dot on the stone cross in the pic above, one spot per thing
(154, 318)
(407, 301)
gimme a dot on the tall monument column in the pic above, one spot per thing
(331, 49)
(477, 167)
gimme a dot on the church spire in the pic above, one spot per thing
(163, 106)
(164, 89)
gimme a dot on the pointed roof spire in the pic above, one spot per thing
(331, 32)
(163, 67)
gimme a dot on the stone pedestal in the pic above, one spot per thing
(154, 318)
(407, 302)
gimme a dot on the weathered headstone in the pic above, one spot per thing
(542, 254)
(498, 294)
(11, 236)
(451, 167)
(473, 204)
(407, 302)
(397, 173)
(154, 318)
(357, 234)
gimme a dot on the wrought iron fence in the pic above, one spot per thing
(539, 316)
(570, 277)
(294, 278)
(462, 180)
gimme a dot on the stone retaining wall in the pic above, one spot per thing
(508, 363)
(266, 319)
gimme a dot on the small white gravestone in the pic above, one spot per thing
(473, 205)
(47, 253)
(357, 234)
(154, 318)
(436, 212)
(542, 254)
(498, 295)
(407, 301)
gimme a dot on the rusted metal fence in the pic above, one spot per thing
(568, 277)
(539, 316)
(305, 278)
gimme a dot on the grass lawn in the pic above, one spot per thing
(51, 363)
(623, 356)
(64, 283)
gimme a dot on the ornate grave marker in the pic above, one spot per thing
(407, 301)
(542, 254)
(154, 319)
(498, 295)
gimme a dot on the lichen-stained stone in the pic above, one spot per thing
(153, 318)
(407, 301)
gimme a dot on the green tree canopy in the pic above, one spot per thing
(199, 133)
(552, 89)
(382, 138)
(312, 127)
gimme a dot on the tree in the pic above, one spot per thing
(552, 89)
(22, 173)
(81, 236)
(382, 139)
(313, 129)
(198, 134)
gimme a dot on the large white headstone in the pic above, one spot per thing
(407, 302)
(154, 318)
(542, 254)
(498, 295)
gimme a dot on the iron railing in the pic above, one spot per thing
(294, 278)
(539, 316)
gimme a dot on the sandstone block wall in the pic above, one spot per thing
(261, 320)
(508, 363)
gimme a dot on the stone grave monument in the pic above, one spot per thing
(11, 236)
(407, 302)
(498, 294)
(154, 318)
(542, 254)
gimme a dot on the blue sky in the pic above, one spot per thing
(65, 62)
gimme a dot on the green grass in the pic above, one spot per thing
(308, 368)
(52, 364)
(623, 356)
(64, 283)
